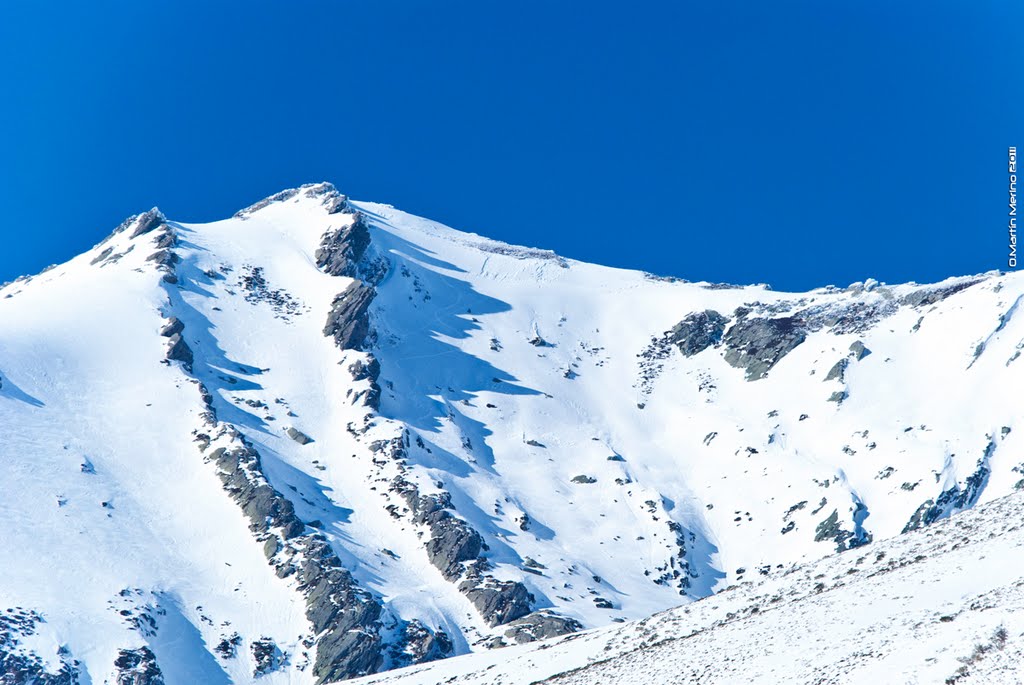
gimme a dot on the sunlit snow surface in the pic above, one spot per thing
(110, 513)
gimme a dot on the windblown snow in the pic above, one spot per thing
(326, 439)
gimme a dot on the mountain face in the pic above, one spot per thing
(323, 439)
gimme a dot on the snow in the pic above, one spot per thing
(505, 427)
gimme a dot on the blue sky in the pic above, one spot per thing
(794, 143)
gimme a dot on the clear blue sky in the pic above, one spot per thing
(794, 143)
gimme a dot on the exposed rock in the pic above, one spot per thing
(417, 645)
(927, 296)
(839, 396)
(838, 371)
(101, 256)
(298, 436)
(148, 221)
(698, 331)
(267, 656)
(172, 327)
(348, 321)
(858, 350)
(178, 350)
(498, 601)
(345, 617)
(757, 344)
(137, 667)
(452, 542)
(541, 625)
(227, 648)
(340, 250)
(831, 529)
(584, 479)
(21, 666)
(267, 201)
(367, 371)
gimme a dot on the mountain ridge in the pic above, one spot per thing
(537, 444)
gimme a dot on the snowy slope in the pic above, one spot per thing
(324, 438)
(940, 605)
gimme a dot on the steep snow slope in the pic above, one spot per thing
(940, 605)
(325, 438)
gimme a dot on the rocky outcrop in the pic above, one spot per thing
(348, 321)
(21, 666)
(417, 645)
(179, 351)
(298, 436)
(368, 370)
(345, 618)
(137, 667)
(266, 655)
(341, 249)
(756, 344)
(540, 625)
(332, 200)
(698, 331)
(838, 371)
(148, 221)
(498, 601)
(173, 326)
(455, 549)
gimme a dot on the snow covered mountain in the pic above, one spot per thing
(325, 438)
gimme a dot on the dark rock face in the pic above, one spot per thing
(584, 480)
(298, 436)
(340, 250)
(927, 296)
(147, 222)
(498, 601)
(137, 667)
(346, 618)
(267, 201)
(367, 371)
(418, 645)
(858, 350)
(19, 666)
(838, 371)
(266, 655)
(831, 529)
(757, 344)
(955, 498)
(101, 256)
(172, 327)
(698, 331)
(541, 625)
(348, 321)
(178, 350)
(455, 547)
(333, 201)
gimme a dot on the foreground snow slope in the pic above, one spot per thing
(940, 605)
(322, 439)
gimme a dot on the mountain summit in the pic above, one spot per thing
(325, 438)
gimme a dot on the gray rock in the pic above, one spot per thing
(698, 331)
(340, 250)
(348, 321)
(101, 256)
(148, 221)
(541, 625)
(838, 371)
(21, 666)
(178, 350)
(858, 350)
(266, 655)
(499, 601)
(839, 396)
(172, 327)
(757, 344)
(345, 617)
(298, 436)
(584, 479)
(417, 645)
(362, 371)
(137, 667)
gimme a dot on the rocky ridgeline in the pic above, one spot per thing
(454, 547)
(755, 337)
